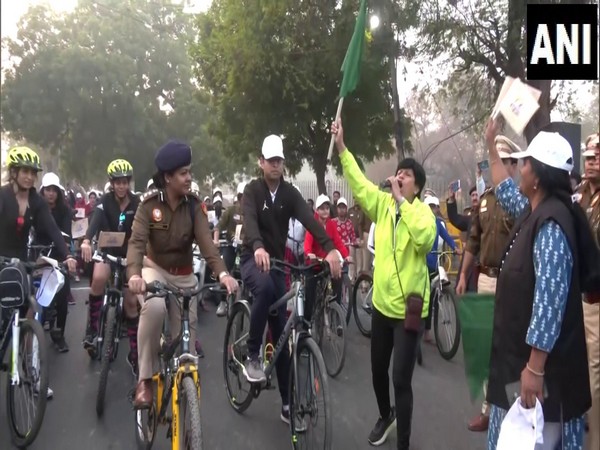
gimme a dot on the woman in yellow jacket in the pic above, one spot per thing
(404, 234)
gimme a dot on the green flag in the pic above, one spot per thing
(476, 312)
(351, 64)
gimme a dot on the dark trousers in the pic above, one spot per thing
(228, 254)
(266, 288)
(389, 335)
(432, 274)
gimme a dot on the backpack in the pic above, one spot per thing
(14, 285)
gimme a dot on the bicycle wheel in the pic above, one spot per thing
(146, 421)
(446, 326)
(310, 405)
(26, 400)
(190, 434)
(333, 339)
(362, 303)
(238, 389)
(106, 357)
(346, 300)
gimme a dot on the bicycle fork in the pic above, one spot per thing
(14, 366)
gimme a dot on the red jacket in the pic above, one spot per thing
(312, 246)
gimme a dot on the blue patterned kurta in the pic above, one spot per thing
(553, 264)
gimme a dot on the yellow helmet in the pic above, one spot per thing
(119, 168)
(23, 157)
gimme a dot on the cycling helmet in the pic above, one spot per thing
(119, 168)
(23, 157)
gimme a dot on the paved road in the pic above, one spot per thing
(441, 409)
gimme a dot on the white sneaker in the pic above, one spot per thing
(50, 393)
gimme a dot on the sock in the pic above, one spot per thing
(132, 329)
(95, 304)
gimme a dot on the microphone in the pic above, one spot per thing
(386, 184)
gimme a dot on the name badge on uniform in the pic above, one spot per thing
(156, 215)
(484, 209)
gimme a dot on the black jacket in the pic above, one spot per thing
(106, 218)
(13, 243)
(266, 222)
(62, 216)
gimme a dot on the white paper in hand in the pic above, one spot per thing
(519, 105)
(522, 428)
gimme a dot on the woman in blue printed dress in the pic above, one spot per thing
(538, 342)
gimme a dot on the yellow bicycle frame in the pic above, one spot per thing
(184, 369)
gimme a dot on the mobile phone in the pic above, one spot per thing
(483, 165)
(513, 391)
(455, 186)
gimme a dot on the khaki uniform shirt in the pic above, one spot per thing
(590, 202)
(166, 236)
(230, 219)
(490, 228)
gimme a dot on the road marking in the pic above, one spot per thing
(80, 289)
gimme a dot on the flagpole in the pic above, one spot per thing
(338, 114)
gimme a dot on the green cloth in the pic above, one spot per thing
(476, 312)
(351, 64)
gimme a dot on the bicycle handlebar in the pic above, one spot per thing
(30, 266)
(100, 256)
(159, 289)
(323, 265)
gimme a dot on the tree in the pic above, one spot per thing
(482, 42)
(108, 80)
(274, 67)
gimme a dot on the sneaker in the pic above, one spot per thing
(59, 341)
(253, 371)
(382, 428)
(89, 343)
(299, 423)
(133, 364)
(72, 301)
(222, 309)
(77, 279)
(49, 392)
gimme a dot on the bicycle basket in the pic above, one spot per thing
(14, 286)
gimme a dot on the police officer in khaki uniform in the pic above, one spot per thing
(488, 237)
(165, 226)
(229, 222)
(589, 199)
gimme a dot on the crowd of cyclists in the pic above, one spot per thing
(268, 220)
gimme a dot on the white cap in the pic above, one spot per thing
(551, 149)
(506, 147)
(149, 183)
(431, 200)
(217, 189)
(342, 201)
(206, 198)
(217, 199)
(51, 179)
(194, 187)
(322, 199)
(78, 195)
(272, 147)
(241, 187)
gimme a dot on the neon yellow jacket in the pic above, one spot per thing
(411, 239)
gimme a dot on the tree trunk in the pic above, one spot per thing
(398, 138)
(320, 168)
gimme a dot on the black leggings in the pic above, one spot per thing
(432, 274)
(389, 335)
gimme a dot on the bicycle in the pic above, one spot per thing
(307, 362)
(178, 380)
(109, 323)
(329, 326)
(27, 367)
(446, 323)
(362, 303)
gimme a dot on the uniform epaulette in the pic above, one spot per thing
(148, 195)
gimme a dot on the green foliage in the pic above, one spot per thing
(274, 67)
(108, 80)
